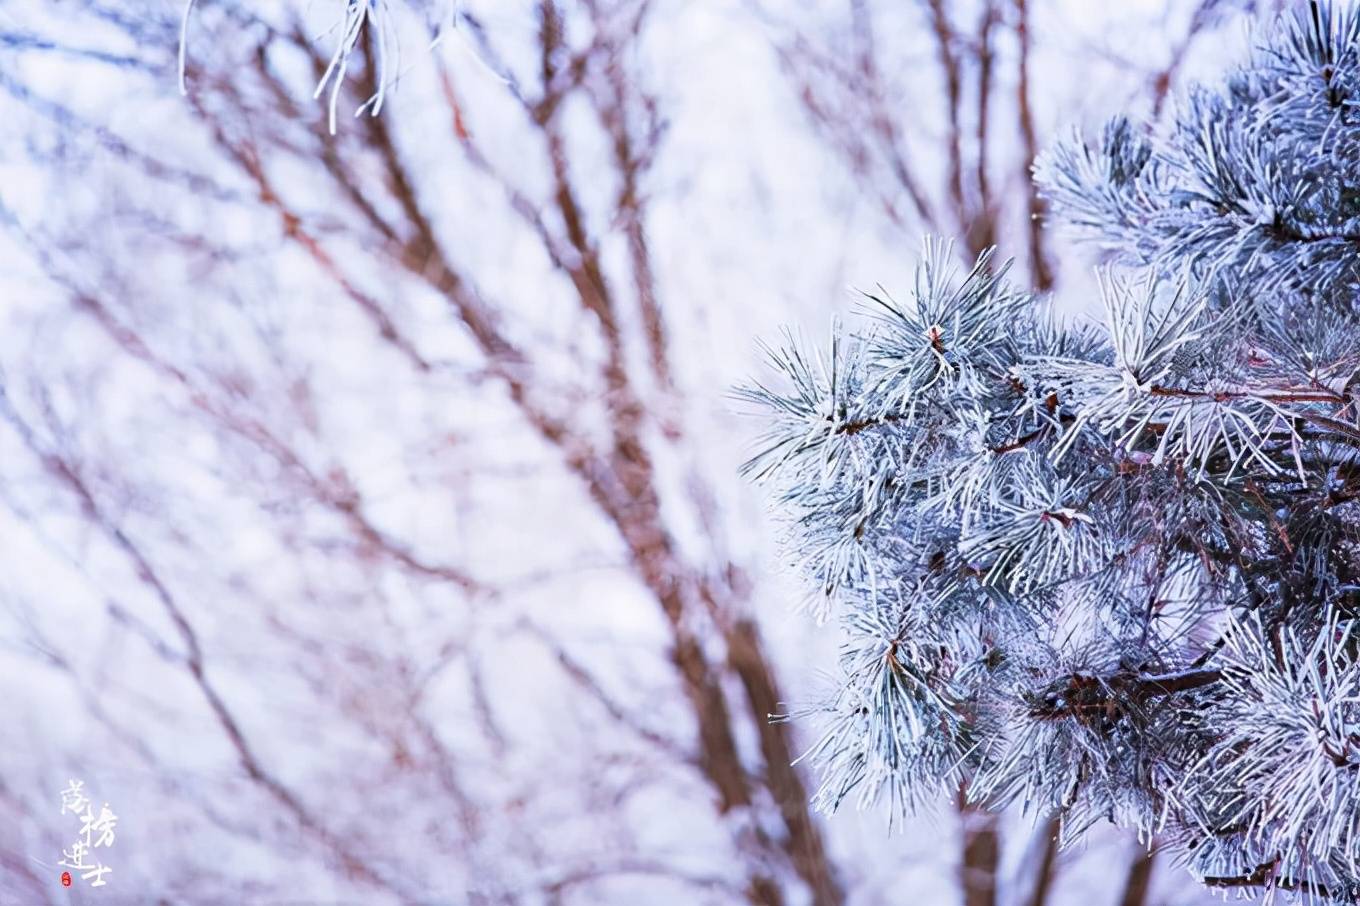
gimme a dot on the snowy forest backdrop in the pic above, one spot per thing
(370, 521)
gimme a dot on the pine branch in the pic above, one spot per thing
(1265, 876)
(1087, 695)
(1021, 523)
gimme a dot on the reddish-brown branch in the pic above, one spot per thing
(1277, 396)
(748, 659)
(620, 477)
(355, 865)
(1138, 881)
(1269, 394)
(337, 493)
(1082, 694)
(981, 854)
(1041, 271)
(884, 125)
(981, 234)
(1048, 860)
(855, 426)
(1166, 76)
(293, 228)
(618, 105)
(951, 72)
(585, 680)
(1265, 876)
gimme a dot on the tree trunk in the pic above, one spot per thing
(1043, 880)
(981, 852)
(1139, 880)
(747, 658)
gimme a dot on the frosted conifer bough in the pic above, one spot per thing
(354, 20)
(1114, 574)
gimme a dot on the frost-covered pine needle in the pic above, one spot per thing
(1113, 574)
